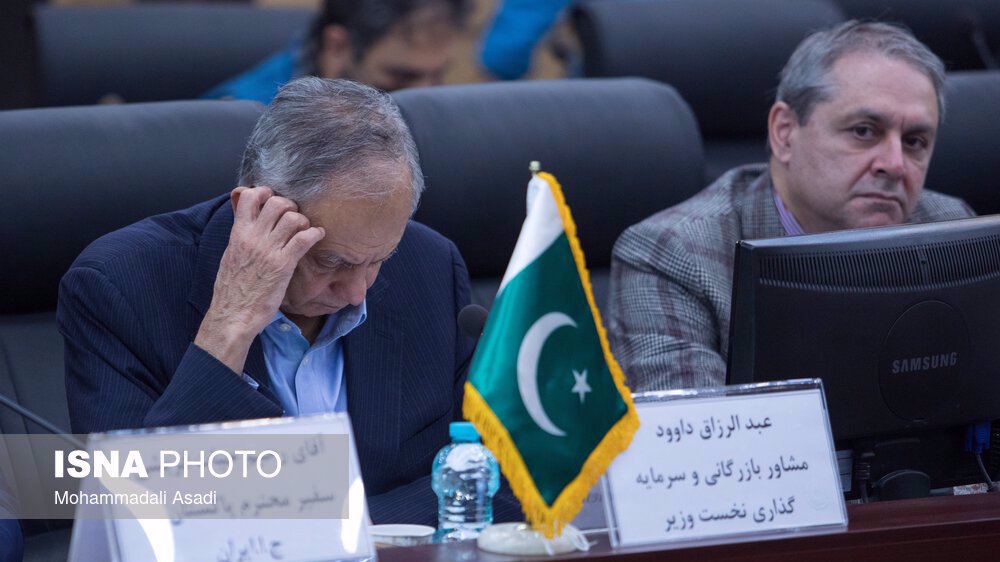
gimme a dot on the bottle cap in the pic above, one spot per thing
(463, 431)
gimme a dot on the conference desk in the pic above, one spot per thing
(959, 528)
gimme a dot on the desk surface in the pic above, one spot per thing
(957, 528)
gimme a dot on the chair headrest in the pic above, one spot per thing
(621, 148)
(723, 56)
(154, 52)
(73, 174)
(950, 29)
(965, 162)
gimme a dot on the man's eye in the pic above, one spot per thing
(916, 143)
(326, 266)
(863, 132)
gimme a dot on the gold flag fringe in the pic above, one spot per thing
(544, 518)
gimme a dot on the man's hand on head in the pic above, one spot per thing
(268, 239)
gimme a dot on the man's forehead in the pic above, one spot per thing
(424, 31)
(359, 229)
(425, 22)
(881, 86)
(373, 183)
(858, 69)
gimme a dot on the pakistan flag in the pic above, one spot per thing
(544, 391)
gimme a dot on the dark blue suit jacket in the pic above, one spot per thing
(11, 539)
(131, 304)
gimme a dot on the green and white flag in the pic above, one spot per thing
(543, 389)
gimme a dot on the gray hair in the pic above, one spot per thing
(805, 80)
(335, 137)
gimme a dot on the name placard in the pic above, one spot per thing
(592, 516)
(286, 489)
(725, 465)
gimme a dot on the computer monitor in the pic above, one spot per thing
(901, 323)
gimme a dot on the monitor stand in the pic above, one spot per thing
(891, 469)
(903, 484)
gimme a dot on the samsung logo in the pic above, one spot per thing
(925, 363)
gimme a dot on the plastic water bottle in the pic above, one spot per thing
(465, 476)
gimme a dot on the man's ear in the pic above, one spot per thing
(335, 52)
(234, 196)
(781, 126)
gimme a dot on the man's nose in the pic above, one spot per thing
(890, 161)
(354, 286)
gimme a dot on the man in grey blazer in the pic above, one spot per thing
(850, 133)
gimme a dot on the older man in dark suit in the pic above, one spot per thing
(305, 290)
(851, 134)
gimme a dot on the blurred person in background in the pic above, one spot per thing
(387, 44)
(517, 27)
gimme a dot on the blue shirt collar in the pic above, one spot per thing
(788, 222)
(336, 325)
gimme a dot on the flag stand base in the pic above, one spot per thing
(519, 539)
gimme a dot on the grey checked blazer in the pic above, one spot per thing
(671, 278)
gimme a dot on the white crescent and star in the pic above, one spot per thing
(527, 369)
(581, 387)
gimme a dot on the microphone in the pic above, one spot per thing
(471, 320)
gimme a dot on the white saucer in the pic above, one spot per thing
(400, 535)
(518, 539)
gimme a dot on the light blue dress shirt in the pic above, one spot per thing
(788, 222)
(309, 379)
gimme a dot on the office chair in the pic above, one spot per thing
(71, 175)
(965, 162)
(152, 52)
(964, 33)
(621, 148)
(722, 56)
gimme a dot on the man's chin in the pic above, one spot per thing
(878, 219)
(879, 212)
(313, 310)
(323, 310)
